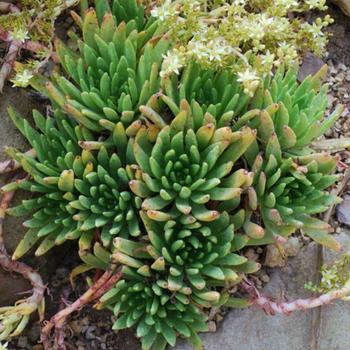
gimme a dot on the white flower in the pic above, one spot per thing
(288, 3)
(315, 30)
(313, 4)
(248, 75)
(3, 346)
(22, 79)
(257, 31)
(165, 11)
(249, 80)
(198, 49)
(265, 20)
(173, 62)
(20, 35)
(239, 2)
(267, 59)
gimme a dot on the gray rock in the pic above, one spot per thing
(344, 6)
(335, 318)
(343, 211)
(326, 328)
(12, 286)
(311, 64)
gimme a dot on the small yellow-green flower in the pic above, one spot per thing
(250, 81)
(22, 79)
(4, 346)
(20, 34)
(173, 62)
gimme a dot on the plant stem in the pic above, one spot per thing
(35, 301)
(10, 57)
(58, 321)
(272, 307)
(11, 164)
(6, 7)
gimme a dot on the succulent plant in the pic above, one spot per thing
(290, 179)
(294, 111)
(216, 92)
(197, 255)
(189, 166)
(167, 285)
(55, 146)
(143, 300)
(115, 68)
(249, 38)
(287, 191)
(80, 191)
(104, 200)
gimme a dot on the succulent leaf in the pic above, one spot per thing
(115, 69)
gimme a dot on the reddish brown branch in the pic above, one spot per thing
(58, 321)
(23, 308)
(6, 7)
(10, 57)
(10, 165)
(272, 307)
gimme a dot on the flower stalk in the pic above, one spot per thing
(11, 164)
(271, 307)
(13, 319)
(58, 321)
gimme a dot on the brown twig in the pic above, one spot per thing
(10, 57)
(10, 165)
(271, 307)
(6, 7)
(58, 321)
(23, 308)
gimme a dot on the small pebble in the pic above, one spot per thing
(265, 278)
(212, 326)
(22, 342)
(38, 347)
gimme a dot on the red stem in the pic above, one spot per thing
(11, 164)
(272, 307)
(57, 322)
(6, 7)
(14, 266)
(10, 57)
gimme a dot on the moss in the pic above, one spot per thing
(35, 22)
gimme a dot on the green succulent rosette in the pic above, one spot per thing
(115, 68)
(294, 111)
(159, 315)
(79, 193)
(152, 295)
(197, 255)
(288, 192)
(188, 167)
(55, 146)
(104, 200)
(215, 92)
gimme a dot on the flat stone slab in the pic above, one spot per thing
(11, 285)
(335, 319)
(327, 328)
